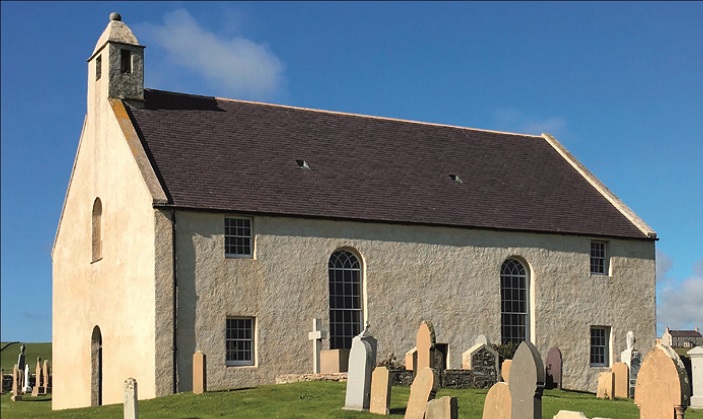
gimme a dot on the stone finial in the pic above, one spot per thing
(115, 16)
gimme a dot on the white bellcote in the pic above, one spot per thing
(116, 67)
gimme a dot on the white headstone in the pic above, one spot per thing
(316, 337)
(362, 360)
(696, 355)
(633, 359)
(27, 388)
(130, 399)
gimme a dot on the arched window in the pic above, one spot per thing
(96, 367)
(514, 309)
(346, 315)
(97, 230)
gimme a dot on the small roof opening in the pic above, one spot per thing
(303, 164)
(456, 178)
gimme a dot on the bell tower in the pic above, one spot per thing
(116, 66)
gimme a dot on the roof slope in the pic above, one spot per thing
(220, 154)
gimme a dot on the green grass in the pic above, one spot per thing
(309, 400)
(8, 356)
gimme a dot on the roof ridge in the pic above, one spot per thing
(358, 115)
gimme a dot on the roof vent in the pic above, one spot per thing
(303, 164)
(456, 178)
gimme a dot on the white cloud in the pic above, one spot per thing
(510, 119)
(664, 264)
(234, 64)
(680, 304)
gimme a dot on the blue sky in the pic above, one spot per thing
(620, 84)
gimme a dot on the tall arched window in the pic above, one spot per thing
(96, 367)
(97, 230)
(346, 315)
(514, 306)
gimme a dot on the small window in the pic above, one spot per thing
(238, 237)
(97, 243)
(599, 258)
(239, 341)
(125, 61)
(98, 67)
(600, 346)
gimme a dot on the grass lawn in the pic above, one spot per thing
(8, 356)
(309, 400)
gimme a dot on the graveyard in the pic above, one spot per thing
(526, 386)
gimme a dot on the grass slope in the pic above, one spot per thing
(309, 400)
(8, 356)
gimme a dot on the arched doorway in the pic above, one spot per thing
(96, 367)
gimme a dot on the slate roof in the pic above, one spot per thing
(229, 155)
(685, 334)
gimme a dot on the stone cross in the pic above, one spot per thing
(632, 358)
(362, 359)
(130, 399)
(316, 336)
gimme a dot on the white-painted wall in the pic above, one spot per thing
(447, 275)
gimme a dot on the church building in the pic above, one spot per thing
(236, 228)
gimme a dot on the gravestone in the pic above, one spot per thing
(622, 380)
(422, 390)
(554, 369)
(498, 403)
(21, 358)
(316, 336)
(37, 379)
(696, 355)
(130, 399)
(662, 384)
(199, 373)
(568, 414)
(362, 359)
(47, 380)
(606, 385)
(526, 382)
(443, 408)
(334, 361)
(425, 344)
(411, 360)
(483, 361)
(16, 389)
(380, 391)
(633, 359)
(505, 370)
(27, 388)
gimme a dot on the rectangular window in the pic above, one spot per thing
(239, 341)
(599, 258)
(238, 237)
(125, 61)
(600, 346)
(98, 67)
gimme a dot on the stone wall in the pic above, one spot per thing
(410, 273)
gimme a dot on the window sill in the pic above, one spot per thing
(230, 364)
